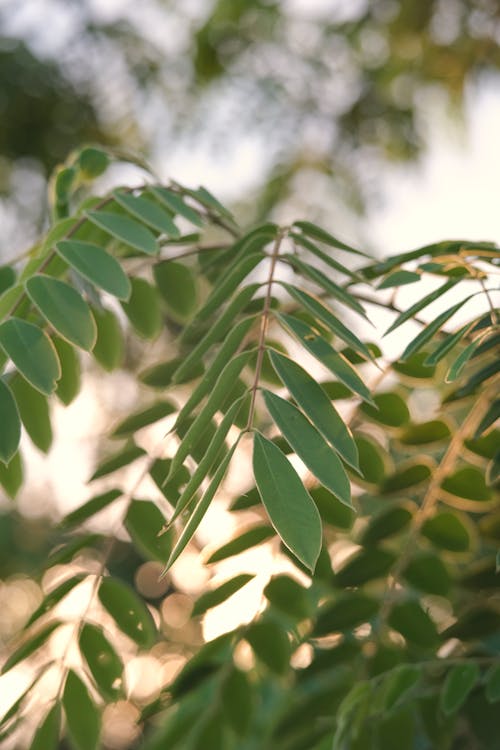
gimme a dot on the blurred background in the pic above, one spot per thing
(378, 119)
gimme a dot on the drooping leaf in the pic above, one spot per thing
(128, 611)
(117, 461)
(10, 432)
(126, 230)
(289, 506)
(246, 540)
(143, 308)
(414, 624)
(32, 353)
(323, 352)
(96, 265)
(144, 521)
(104, 664)
(177, 286)
(148, 211)
(109, 347)
(46, 736)
(217, 596)
(316, 405)
(447, 531)
(301, 239)
(11, 475)
(34, 412)
(143, 418)
(458, 683)
(82, 716)
(372, 459)
(68, 385)
(310, 446)
(270, 644)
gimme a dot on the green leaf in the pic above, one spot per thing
(237, 701)
(388, 522)
(317, 406)
(462, 359)
(420, 305)
(143, 418)
(493, 684)
(96, 265)
(316, 233)
(11, 475)
(371, 459)
(213, 598)
(300, 239)
(177, 205)
(46, 736)
(68, 385)
(30, 646)
(66, 552)
(144, 521)
(64, 309)
(427, 572)
(122, 458)
(427, 333)
(399, 278)
(365, 565)
(310, 446)
(289, 596)
(161, 374)
(7, 278)
(447, 344)
(128, 611)
(10, 434)
(399, 683)
(102, 660)
(408, 475)
(389, 409)
(248, 539)
(109, 347)
(475, 623)
(143, 308)
(148, 212)
(321, 349)
(93, 162)
(32, 353)
(331, 510)
(10, 300)
(270, 644)
(126, 230)
(34, 412)
(199, 511)
(82, 717)
(425, 433)
(323, 314)
(469, 483)
(54, 597)
(447, 531)
(458, 683)
(177, 286)
(289, 506)
(414, 624)
(89, 508)
(415, 368)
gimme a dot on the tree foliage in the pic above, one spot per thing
(373, 479)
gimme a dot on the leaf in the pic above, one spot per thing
(416, 367)
(389, 409)
(322, 313)
(447, 344)
(493, 684)
(10, 434)
(458, 683)
(34, 412)
(432, 328)
(331, 510)
(213, 598)
(82, 717)
(408, 475)
(317, 406)
(30, 646)
(102, 660)
(371, 459)
(144, 521)
(66, 552)
(302, 240)
(177, 205)
(199, 511)
(310, 446)
(399, 683)
(10, 300)
(288, 504)
(109, 347)
(425, 433)
(385, 524)
(365, 565)
(321, 349)
(64, 309)
(248, 539)
(7, 278)
(128, 611)
(90, 508)
(126, 230)
(32, 353)
(54, 597)
(447, 531)
(96, 265)
(399, 278)
(143, 308)
(161, 374)
(68, 385)
(469, 483)
(414, 624)
(420, 305)
(11, 475)
(177, 286)
(117, 461)
(462, 359)
(143, 418)
(427, 572)
(270, 644)
(316, 233)
(46, 736)
(149, 212)
(289, 596)
(237, 701)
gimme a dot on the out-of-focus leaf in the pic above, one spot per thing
(237, 701)
(68, 385)
(399, 278)
(128, 611)
(93, 162)
(144, 521)
(331, 510)
(64, 309)
(388, 522)
(117, 461)
(32, 352)
(66, 552)
(161, 374)
(290, 507)
(54, 597)
(371, 459)
(427, 572)
(177, 286)
(415, 368)
(148, 211)
(10, 432)
(104, 663)
(403, 679)
(177, 205)
(246, 540)
(217, 596)
(317, 233)
(493, 684)
(46, 736)
(30, 646)
(345, 613)
(143, 418)
(408, 475)
(414, 624)
(109, 347)
(389, 409)
(34, 412)
(365, 565)
(289, 596)
(424, 433)
(431, 329)
(90, 508)
(11, 475)
(82, 716)
(143, 308)
(468, 482)
(447, 531)
(270, 644)
(458, 683)
(126, 230)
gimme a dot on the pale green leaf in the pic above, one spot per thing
(109, 347)
(177, 204)
(143, 308)
(96, 265)
(148, 212)
(126, 230)
(177, 286)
